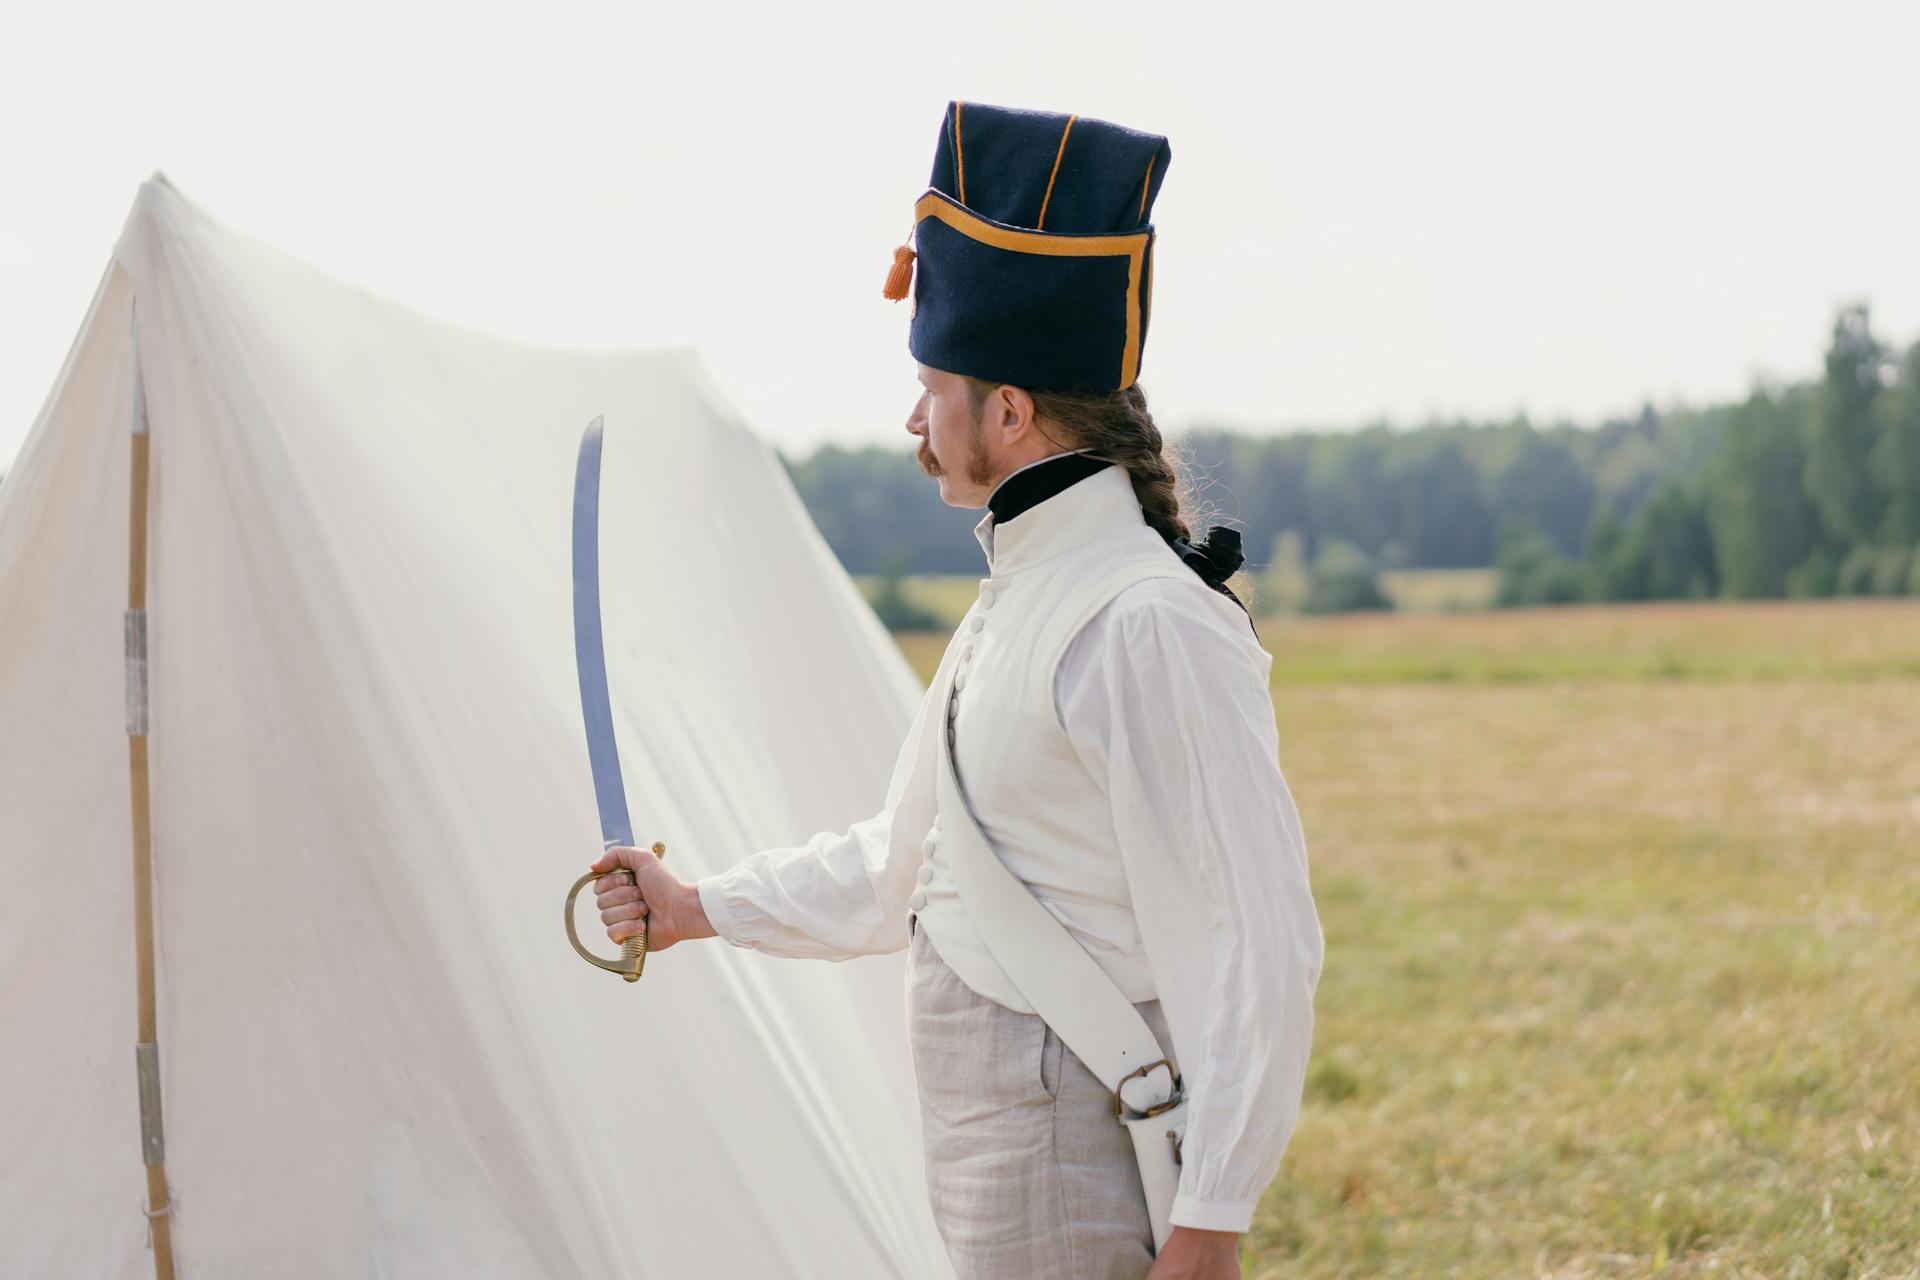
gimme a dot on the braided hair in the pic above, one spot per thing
(1118, 427)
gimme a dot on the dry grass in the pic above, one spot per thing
(1439, 590)
(1764, 640)
(1622, 910)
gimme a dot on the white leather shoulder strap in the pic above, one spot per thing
(1065, 985)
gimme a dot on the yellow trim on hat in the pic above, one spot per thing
(1054, 244)
(1047, 198)
(959, 154)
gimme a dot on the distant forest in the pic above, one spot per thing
(1806, 489)
(1809, 489)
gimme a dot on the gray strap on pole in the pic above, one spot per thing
(136, 635)
(153, 1141)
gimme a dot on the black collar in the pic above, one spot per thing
(1034, 484)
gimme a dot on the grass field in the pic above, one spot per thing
(1622, 909)
(1439, 590)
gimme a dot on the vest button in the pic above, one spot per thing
(917, 901)
(926, 873)
(960, 680)
(927, 846)
(966, 651)
(986, 597)
(976, 622)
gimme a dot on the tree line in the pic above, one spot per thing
(1801, 489)
(1806, 489)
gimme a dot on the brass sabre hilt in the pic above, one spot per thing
(633, 952)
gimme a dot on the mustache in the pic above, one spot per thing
(928, 463)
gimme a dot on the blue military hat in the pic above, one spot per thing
(1032, 253)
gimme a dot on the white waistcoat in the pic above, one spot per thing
(1052, 569)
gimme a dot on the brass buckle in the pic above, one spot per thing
(1120, 1108)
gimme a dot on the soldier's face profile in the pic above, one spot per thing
(952, 445)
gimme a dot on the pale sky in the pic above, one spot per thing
(1374, 210)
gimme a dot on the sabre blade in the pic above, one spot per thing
(589, 650)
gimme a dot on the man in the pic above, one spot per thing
(1109, 716)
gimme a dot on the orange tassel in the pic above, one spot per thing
(900, 275)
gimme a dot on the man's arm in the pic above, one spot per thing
(839, 895)
(1167, 703)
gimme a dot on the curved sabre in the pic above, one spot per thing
(589, 651)
(590, 655)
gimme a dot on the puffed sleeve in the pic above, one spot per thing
(1168, 707)
(842, 893)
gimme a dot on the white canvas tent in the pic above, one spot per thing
(369, 793)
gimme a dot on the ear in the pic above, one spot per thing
(1013, 413)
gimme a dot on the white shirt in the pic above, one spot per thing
(1175, 724)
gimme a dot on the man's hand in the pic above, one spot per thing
(672, 908)
(1193, 1254)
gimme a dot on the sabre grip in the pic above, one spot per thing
(633, 951)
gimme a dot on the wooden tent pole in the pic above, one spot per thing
(147, 1048)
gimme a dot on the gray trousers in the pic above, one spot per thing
(1031, 1175)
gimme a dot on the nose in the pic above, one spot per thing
(917, 420)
